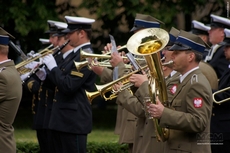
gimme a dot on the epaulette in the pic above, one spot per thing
(75, 73)
(2, 68)
(194, 78)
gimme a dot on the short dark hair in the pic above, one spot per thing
(198, 55)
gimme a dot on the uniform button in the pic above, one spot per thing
(54, 100)
(213, 114)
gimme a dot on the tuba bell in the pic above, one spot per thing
(148, 42)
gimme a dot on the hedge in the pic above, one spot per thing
(92, 147)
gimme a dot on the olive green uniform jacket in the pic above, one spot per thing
(172, 84)
(189, 116)
(10, 97)
(210, 74)
(145, 138)
(125, 121)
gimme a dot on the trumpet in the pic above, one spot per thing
(46, 51)
(220, 91)
(167, 63)
(84, 55)
(103, 89)
(80, 65)
(20, 67)
(119, 49)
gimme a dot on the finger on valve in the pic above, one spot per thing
(32, 65)
(107, 48)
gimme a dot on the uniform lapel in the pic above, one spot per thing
(185, 81)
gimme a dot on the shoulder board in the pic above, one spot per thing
(194, 78)
(2, 68)
(75, 73)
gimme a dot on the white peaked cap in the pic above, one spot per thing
(218, 21)
(44, 41)
(226, 40)
(200, 26)
(52, 22)
(227, 33)
(79, 20)
(75, 23)
(52, 27)
(61, 25)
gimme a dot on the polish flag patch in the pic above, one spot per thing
(197, 102)
(173, 89)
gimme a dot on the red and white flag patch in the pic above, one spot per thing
(197, 102)
(173, 89)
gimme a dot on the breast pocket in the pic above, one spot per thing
(177, 103)
(180, 147)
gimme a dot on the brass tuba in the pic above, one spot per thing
(148, 42)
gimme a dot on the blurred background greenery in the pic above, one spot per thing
(27, 19)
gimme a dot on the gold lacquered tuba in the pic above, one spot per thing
(148, 43)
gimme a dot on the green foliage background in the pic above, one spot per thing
(27, 19)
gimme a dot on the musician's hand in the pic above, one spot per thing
(138, 79)
(115, 59)
(125, 60)
(157, 109)
(24, 76)
(107, 48)
(32, 65)
(49, 61)
(117, 87)
(41, 74)
(97, 69)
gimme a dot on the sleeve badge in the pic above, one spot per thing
(173, 89)
(197, 102)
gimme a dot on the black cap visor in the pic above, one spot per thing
(179, 47)
(226, 42)
(219, 25)
(73, 27)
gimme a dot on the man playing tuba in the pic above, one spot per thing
(189, 113)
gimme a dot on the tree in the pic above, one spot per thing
(26, 20)
(117, 14)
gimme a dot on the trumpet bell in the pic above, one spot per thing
(148, 41)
